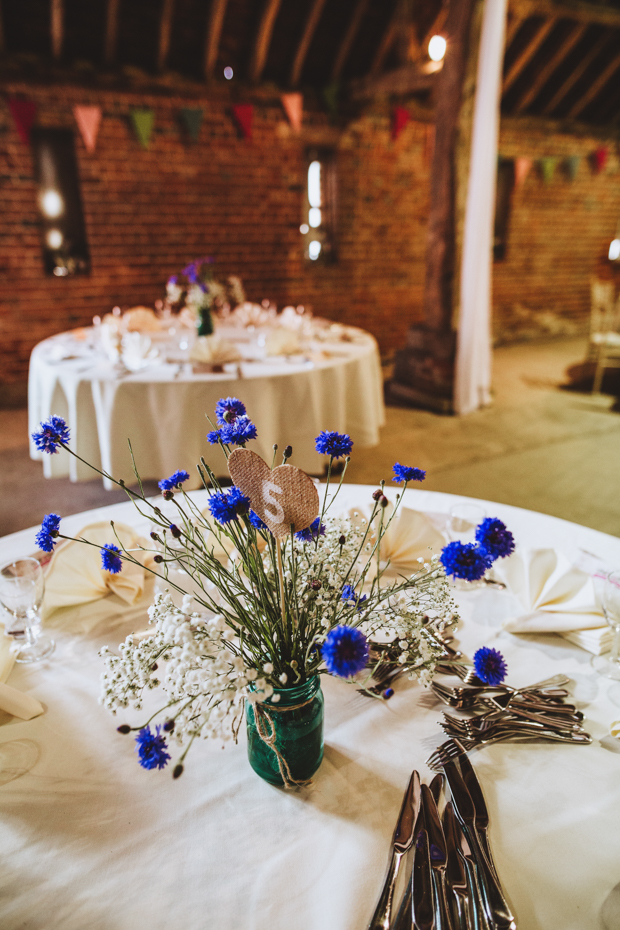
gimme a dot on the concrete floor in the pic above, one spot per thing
(537, 446)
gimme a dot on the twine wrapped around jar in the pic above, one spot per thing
(262, 720)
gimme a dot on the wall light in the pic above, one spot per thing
(54, 238)
(314, 217)
(614, 250)
(304, 228)
(51, 203)
(437, 48)
(228, 73)
(314, 249)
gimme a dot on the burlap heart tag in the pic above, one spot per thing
(283, 497)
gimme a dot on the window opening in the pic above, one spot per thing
(319, 207)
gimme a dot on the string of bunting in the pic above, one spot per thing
(548, 165)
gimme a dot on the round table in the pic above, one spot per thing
(92, 840)
(331, 385)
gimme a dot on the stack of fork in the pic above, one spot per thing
(501, 713)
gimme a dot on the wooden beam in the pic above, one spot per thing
(111, 32)
(568, 9)
(595, 88)
(56, 27)
(551, 65)
(263, 39)
(387, 41)
(512, 27)
(574, 76)
(406, 80)
(304, 43)
(165, 28)
(214, 31)
(527, 54)
(349, 38)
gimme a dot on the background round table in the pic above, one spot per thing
(333, 385)
(90, 839)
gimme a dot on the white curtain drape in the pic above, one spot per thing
(473, 357)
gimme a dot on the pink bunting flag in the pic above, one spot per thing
(400, 118)
(88, 120)
(23, 113)
(522, 169)
(600, 159)
(294, 108)
(244, 116)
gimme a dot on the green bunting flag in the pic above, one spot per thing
(547, 168)
(571, 165)
(192, 118)
(142, 121)
(330, 96)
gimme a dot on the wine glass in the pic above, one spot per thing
(610, 665)
(462, 523)
(21, 594)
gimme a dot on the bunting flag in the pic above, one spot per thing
(330, 96)
(522, 169)
(88, 120)
(192, 118)
(142, 121)
(294, 108)
(244, 117)
(400, 118)
(571, 165)
(599, 159)
(547, 167)
(23, 113)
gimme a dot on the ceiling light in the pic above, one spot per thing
(228, 73)
(437, 48)
(614, 250)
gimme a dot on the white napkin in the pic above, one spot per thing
(281, 342)
(248, 314)
(75, 581)
(556, 596)
(410, 537)
(213, 350)
(137, 351)
(140, 320)
(19, 704)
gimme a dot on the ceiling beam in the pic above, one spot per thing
(165, 28)
(512, 27)
(387, 41)
(550, 66)
(595, 88)
(263, 39)
(574, 76)
(214, 31)
(111, 32)
(304, 43)
(349, 38)
(56, 27)
(568, 9)
(406, 80)
(527, 54)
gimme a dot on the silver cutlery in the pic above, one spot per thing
(423, 901)
(438, 859)
(460, 903)
(482, 814)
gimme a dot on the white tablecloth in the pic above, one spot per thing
(162, 409)
(91, 840)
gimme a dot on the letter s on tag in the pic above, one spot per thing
(269, 489)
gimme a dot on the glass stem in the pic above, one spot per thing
(30, 637)
(615, 646)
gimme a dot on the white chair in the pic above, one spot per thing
(604, 346)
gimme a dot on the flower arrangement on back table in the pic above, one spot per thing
(295, 599)
(197, 289)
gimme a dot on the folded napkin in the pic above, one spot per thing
(615, 729)
(556, 597)
(409, 540)
(248, 314)
(75, 581)
(140, 320)
(281, 342)
(19, 704)
(7, 658)
(213, 350)
(137, 351)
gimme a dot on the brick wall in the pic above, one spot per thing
(148, 212)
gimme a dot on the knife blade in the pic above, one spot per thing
(497, 910)
(402, 840)
(482, 814)
(438, 858)
(475, 916)
(458, 897)
(423, 902)
(436, 785)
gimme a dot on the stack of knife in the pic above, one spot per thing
(452, 881)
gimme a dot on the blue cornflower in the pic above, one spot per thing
(256, 521)
(405, 473)
(111, 559)
(334, 444)
(174, 481)
(189, 270)
(345, 651)
(172, 279)
(490, 666)
(214, 436)
(348, 593)
(53, 433)
(152, 749)
(237, 433)
(225, 506)
(465, 560)
(228, 409)
(46, 537)
(312, 532)
(493, 536)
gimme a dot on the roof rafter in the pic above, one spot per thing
(165, 28)
(568, 9)
(214, 31)
(111, 31)
(512, 27)
(527, 54)
(387, 41)
(551, 65)
(304, 43)
(57, 27)
(574, 76)
(263, 39)
(595, 88)
(349, 38)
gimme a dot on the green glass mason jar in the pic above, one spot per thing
(205, 322)
(295, 725)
